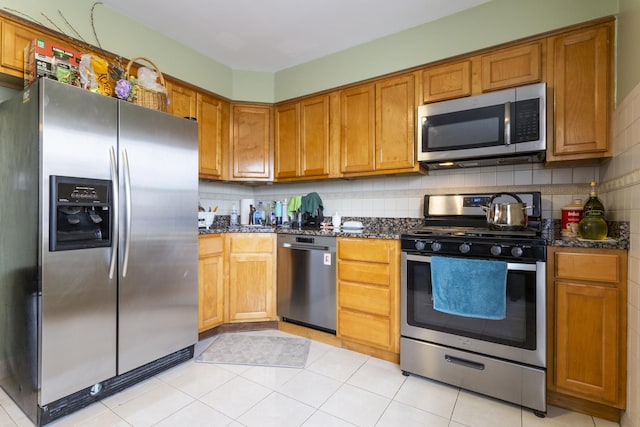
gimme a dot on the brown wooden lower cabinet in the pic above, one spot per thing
(210, 281)
(368, 296)
(586, 333)
(236, 279)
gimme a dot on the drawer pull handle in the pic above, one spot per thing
(463, 362)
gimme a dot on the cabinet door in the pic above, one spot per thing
(210, 135)
(358, 129)
(511, 67)
(287, 141)
(446, 82)
(587, 340)
(251, 285)
(395, 123)
(582, 90)
(14, 39)
(252, 148)
(314, 136)
(182, 100)
(210, 282)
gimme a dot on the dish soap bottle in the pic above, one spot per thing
(592, 226)
(233, 221)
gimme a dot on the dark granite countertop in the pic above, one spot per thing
(392, 228)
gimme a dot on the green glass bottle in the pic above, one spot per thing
(593, 226)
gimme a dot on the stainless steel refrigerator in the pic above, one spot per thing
(98, 247)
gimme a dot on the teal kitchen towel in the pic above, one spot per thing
(310, 204)
(469, 287)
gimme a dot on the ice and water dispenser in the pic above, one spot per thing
(80, 213)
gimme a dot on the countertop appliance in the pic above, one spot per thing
(496, 128)
(502, 357)
(307, 281)
(99, 246)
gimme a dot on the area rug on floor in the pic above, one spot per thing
(261, 350)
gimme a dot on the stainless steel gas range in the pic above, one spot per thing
(473, 300)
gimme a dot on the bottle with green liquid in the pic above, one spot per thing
(592, 226)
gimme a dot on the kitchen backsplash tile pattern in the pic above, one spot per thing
(621, 195)
(402, 196)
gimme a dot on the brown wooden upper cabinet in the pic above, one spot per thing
(446, 81)
(378, 127)
(580, 74)
(15, 38)
(252, 148)
(213, 131)
(302, 139)
(182, 100)
(510, 67)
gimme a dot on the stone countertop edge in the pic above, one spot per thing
(392, 230)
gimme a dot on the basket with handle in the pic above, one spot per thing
(146, 97)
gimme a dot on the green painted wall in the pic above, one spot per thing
(486, 25)
(628, 56)
(491, 23)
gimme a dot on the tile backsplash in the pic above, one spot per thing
(402, 196)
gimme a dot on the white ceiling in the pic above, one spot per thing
(271, 35)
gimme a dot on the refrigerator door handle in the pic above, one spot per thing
(127, 195)
(114, 213)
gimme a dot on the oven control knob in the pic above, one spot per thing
(516, 251)
(420, 245)
(436, 246)
(464, 248)
(496, 250)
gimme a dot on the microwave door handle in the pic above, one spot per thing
(507, 123)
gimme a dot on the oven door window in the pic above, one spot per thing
(517, 329)
(479, 127)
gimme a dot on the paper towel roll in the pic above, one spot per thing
(244, 210)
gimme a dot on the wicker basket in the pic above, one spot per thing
(146, 97)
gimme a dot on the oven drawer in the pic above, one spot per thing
(519, 384)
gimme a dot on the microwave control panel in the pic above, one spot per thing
(526, 120)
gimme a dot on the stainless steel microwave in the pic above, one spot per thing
(503, 127)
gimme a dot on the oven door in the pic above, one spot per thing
(519, 337)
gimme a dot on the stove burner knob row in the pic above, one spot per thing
(464, 248)
(496, 250)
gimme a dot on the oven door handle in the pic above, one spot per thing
(511, 266)
(464, 362)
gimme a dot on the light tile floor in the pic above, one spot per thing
(338, 387)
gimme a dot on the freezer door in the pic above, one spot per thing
(78, 300)
(158, 300)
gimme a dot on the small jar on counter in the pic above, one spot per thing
(571, 216)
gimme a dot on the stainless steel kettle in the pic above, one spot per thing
(507, 216)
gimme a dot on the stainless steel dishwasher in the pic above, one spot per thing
(307, 280)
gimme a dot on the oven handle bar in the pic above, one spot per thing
(464, 362)
(511, 266)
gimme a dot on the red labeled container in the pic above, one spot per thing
(571, 216)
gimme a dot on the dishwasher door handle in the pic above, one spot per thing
(305, 247)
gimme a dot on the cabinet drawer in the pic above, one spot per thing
(588, 266)
(209, 245)
(367, 250)
(252, 243)
(360, 272)
(365, 328)
(370, 299)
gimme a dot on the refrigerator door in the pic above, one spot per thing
(78, 300)
(158, 299)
